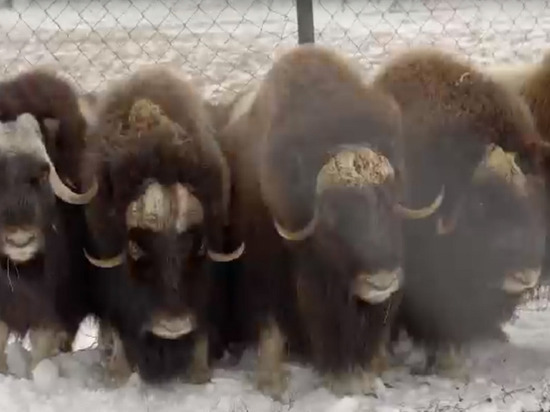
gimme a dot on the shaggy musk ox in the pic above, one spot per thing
(531, 81)
(315, 158)
(156, 223)
(454, 117)
(464, 285)
(42, 281)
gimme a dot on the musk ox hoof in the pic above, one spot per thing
(65, 342)
(359, 383)
(273, 384)
(381, 362)
(500, 336)
(447, 363)
(200, 375)
(118, 377)
(118, 369)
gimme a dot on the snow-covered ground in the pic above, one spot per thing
(223, 44)
(513, 377)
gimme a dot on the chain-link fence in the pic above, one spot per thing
(225, 43)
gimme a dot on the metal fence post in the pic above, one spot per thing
(306, 27)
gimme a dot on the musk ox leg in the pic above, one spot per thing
(44, 344)
(65, 341)
(200, 369)
(118, 367)
(445, 360)
(357, 382)
(271, 378)
(4, 335)
(105, 339)
(380, 362)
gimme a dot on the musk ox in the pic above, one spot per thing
(156, 223)
(464, 285)
(531, 81)
(452, 115)
(43, 283)
(315, 159)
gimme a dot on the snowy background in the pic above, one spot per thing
(224, 44)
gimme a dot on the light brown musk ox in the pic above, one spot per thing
(316, 162)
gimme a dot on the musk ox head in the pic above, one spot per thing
(151, 192)
(29, 183)
(355, 226)
(499, 228)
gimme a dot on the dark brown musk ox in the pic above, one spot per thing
(531, 81)
(453, 117)
(463, 286)
(43, 284)
(315, 159)
(156, 223)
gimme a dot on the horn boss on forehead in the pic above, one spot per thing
(501, 163)
(163, 208)
(351, 167)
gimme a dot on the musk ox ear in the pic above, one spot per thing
(52, 126)
(88, 105)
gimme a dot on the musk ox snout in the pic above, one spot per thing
(21, 244)
(517, 283)
(377, 287)
(168, 326)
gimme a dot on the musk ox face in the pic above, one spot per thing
(165, 253)
(361, 233)
(27, 205)
(356, 223)
(164, 257)
(500, 226)
(29, 183)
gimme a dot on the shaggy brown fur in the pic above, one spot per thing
(173, 276)
(532, 83)
(46, 95)
(310, 105)
(451, 112)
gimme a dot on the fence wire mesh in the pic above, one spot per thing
(223, 44)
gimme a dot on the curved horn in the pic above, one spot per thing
(226, 257)
(423, 212)
(28, 125)
(105, 263)
(63, 192)
(298, 235)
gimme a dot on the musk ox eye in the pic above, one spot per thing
(41, 177)
(202, 248)
(134, 250)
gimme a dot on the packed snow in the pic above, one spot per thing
(503, 377)
(223, 44)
